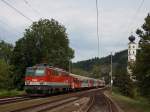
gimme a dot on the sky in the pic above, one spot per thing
(117, 19)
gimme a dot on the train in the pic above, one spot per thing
(45, 79)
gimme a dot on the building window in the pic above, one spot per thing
(133, 52)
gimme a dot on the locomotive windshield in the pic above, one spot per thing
(35, 72)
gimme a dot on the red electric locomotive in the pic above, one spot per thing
(45, 79)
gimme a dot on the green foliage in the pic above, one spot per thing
(96, 71)
(6, 73)
(45, 41)
(142, 68)
(128, 104)
(120, 58)
(101, 67)
(79, 71)
(124, 84)
(5, 51)
(98, 68)
(6, 76)
(6, 93)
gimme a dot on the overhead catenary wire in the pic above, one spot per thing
(97, 28)
(16, 10)
(132, 22)
(29, 5)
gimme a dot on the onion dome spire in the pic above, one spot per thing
(131, 38)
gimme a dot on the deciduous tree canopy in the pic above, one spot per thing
(45, 41)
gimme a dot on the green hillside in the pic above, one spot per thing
(98, 68)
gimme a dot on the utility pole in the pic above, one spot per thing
(69, 67)
(97, 30)
(111, 80)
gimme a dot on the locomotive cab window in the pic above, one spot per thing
(35, 72)
(39, 72)
(29, 72)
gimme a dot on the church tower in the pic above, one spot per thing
(132, 47)
(132, 50)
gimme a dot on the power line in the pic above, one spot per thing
(15, 9)
(35, 10)
(136, 14)
(97, 17)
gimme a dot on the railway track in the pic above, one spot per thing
(46, 106)
(51, 104)
(90, 104)
(57, 102)
(14, 99)
(101, 102)
(83, 101)
(110, 104)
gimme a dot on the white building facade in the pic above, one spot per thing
(132, 51)
(132, 48)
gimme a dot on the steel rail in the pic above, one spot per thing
(109, 103)
(92, 100)
(14, 99)
(50, 104)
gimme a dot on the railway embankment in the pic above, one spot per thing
(128, 104)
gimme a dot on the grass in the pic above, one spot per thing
(5, 93)
(131, 105)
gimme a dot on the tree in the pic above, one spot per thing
(6, 76)
(142, 67)
(96, 71)
(5, 51)
(123, 82)
(79, 71)
(45, 41)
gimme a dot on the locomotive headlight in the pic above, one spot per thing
(27, 82)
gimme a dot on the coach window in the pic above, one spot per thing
(133, 52)
(85, 81)
(129, 47)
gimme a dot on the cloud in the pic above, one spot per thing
(79, 17)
